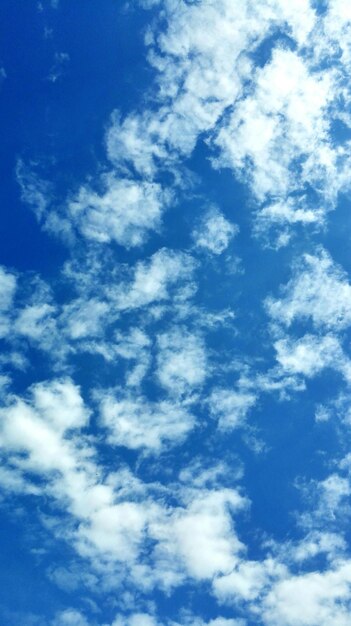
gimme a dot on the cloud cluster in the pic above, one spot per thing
(129, 386)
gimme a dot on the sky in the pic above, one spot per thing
(175, 313)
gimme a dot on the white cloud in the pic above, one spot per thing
(135, 422)
(181, 362)
(199, 476)
(339, 407)
(230, 407)
(283, 120)
(128, 345)
(318, 542)
(38, 427)
(34, 191)
(310, 354)
(8, 286)
(218, 621)
(125, 211)
(70, 617)
(35, 321)
(12, 480)
(216, 37)
(270, 123)
(332, 39)
(83, 318)
(317, 295)
(113, 531)
(214, 232)
(319, 290)
(203, 61)
(201, 537)
(166, 270)
(34, 434)
(247, 581)
(312, 599)
(135, 141)
(135, 348)
(61, 404)
(283, 214)
(113, 517)
(61, 60)
(332, 495)
(278, 131)
(137, 619)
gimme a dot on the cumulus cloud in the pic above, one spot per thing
(35, 436)
(125, 211)
(201, 536)
(318, 290)
(7, 292)
(278, 136)
(218, 621)
(55, 407)
(214, 232)
(311, 354)
(213, 80)
(230, 407)
(258, 87)
(181, 362)
(313, 599)
(69, 617)
(135, 422)
(280, 122)
(315, 298)
(133, 141)
(84, 318)
(137, 619)
(35, 320)
(248, 580)
(167, 271)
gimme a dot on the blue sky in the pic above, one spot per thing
(175, 313)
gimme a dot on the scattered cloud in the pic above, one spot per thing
(318, 290)
(125, 211)
(136, 423)
(125, 373)
(214, 232)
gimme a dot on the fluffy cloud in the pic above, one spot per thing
(35, 435)
(38, 427)
(218, 621)
(7, 292)
(137, 619)
(313, 599)
(317, 296)
(218, 39)
(167, 271)
(136, 423)
(230, 407)
(258, 87)
(84, 318)
(35, 321)
(280, 122)
(134, 141)
(319, 291)
(214, 232)
(201, 537)
(311, 354)
(248, 581)
(125, 212)
(70, 617)
(181, 362)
